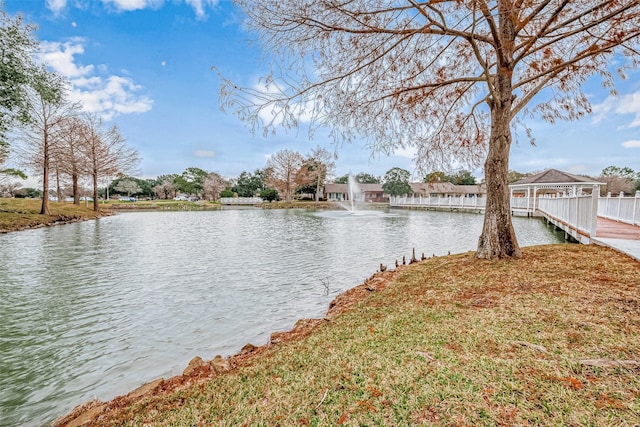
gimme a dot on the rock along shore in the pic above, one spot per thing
(199, 370)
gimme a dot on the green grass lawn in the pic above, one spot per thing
(161, 204)
(551, 339)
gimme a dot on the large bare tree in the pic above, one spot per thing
(48, 109)
(106, 152)
(449, 78)
(166, 186)
(283, 167)
(212, 186)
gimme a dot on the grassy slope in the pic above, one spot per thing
(18, 214)
(449, 341)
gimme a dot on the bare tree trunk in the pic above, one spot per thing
(498, 239)
(318, 189)
(58, 190)
(289, 184)
(44, 210)
(96, 205)
(74, 186)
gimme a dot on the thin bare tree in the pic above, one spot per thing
(106, 152)
(48, 109)
(320, 163)
(448, 78)
(283, 167)
(69, 156)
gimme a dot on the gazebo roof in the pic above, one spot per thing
(332, 187)
(554, 177)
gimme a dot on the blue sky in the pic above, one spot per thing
(146, 66)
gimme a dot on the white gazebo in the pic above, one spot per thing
(551, 183)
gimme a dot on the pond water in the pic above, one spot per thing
(97, 308)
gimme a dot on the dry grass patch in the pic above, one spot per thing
(449, 341)
(20, 214)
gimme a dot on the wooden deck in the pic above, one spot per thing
(617, 230)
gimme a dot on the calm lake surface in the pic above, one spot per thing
(97, 308)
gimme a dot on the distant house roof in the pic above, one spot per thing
(425, 188)
(447, 188)
(344, 188)
(335, 188)
(370, 188)
(432, 187)
(554, 176)
(470, 189)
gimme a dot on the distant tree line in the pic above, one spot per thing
(286, 174)
(306, 182)
(619, 180)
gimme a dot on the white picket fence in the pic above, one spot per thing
(576, 215)
(622, 209)
(240, 200)
(522, 204)
(462, 202)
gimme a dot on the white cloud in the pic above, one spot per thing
(409, 152)
(274, 115)
(107, 95)
(626, 104)
(110, 97)
(630, 104)
(577, 168)
(634, 143)
(205, 153)
(56, 5)
(60, 57)
(198, 6)
(129, 5)
(546, 163)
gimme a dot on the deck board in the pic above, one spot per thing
(607, 228)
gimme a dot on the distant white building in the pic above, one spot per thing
(375, 193)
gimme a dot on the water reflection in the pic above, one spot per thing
(95, 309)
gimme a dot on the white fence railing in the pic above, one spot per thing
(240, 200)
(465, 202)
(523, 203)
(439, 202)
(622, 209)
(577, 215)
